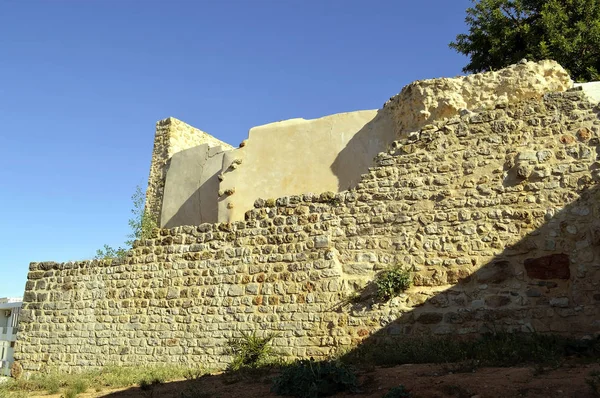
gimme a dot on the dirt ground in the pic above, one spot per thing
(423, 381)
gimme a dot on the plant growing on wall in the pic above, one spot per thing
(142, 223)
(392, 282)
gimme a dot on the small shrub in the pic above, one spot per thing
(70, 393)
(310, 379)
(250, 351)
(392, 282)
(397, 392)
(53, 386)
(193, 374)
(79, 386)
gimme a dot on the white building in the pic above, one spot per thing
(10, 309)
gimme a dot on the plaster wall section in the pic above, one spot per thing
(297, 156)
(191, 187)
(172, 136)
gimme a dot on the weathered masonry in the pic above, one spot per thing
(196, 178)
(489, 197)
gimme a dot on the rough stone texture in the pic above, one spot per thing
(424, 101)
(191, 187)
(298, 156)
(172, 136)
(446, 203)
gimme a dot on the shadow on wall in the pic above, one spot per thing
(191, 187)
(546, 282)
(360, 152)
(543, 282)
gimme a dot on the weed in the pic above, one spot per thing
(193, 374)
(53, 386)
(392, 282)
(70, 393)
(250, 351)
(311, 379)
(397, 392)
(79, 386)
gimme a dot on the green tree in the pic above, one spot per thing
(502, 32)
(142, 223)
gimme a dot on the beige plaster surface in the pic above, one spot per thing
(172, 137)
(191, 187)
(300, 156)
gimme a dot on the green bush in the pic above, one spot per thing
(310, 379)
(78, 387)
(250, 351)
(392, 282)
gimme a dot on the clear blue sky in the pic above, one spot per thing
(82, 84)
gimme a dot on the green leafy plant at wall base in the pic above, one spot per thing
(250, 351)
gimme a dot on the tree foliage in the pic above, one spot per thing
(502, 32)
(142, 223)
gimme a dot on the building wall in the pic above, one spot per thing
(172, 136)
(9, 322)
(192, 186)
(299, 156)
(495, 213)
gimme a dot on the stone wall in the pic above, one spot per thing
(495, 213)
(326, 154)
(172, 136)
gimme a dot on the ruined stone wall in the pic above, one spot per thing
(326, 154)
(495, 213)
(172, 136)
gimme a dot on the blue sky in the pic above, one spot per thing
(82, 84)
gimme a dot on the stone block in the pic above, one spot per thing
(553, 266)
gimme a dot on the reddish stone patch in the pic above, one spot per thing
(584, 134)
(567, 139)
(554, 266)
(363, 332)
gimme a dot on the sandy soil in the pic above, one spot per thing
(423, 381)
